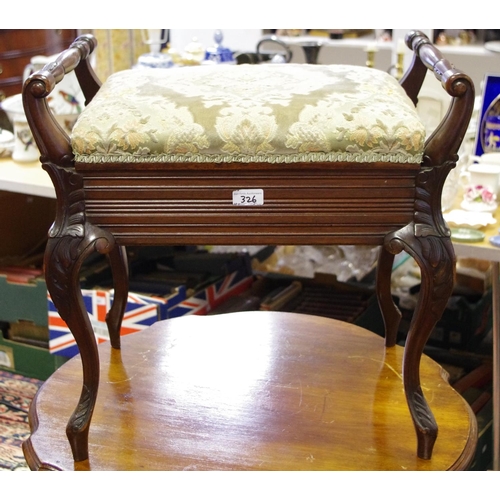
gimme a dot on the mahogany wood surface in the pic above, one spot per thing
(250, 391)
(304, 203)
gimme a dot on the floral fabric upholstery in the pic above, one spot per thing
(250, 113)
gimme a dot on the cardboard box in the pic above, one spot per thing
(28, 333)
(483, 458)
(141, 311)
(23, 300)
(25, 226)
(463, 325)
(203, 301)
(30, 361)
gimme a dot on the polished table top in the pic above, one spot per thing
(250, 391)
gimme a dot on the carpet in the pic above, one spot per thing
(16, 393)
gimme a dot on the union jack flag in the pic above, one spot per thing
(141, 312)
(209, 298)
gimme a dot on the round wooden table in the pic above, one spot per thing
(250, 391)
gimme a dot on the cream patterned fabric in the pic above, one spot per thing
(250, 113)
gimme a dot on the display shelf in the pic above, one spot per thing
(26, 178)
(343, 51)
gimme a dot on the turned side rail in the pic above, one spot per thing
(444, 142)
(51, 139)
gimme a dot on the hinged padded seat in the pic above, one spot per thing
(250, 113)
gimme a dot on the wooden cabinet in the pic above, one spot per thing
(17, 47)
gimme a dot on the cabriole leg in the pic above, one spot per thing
(64, 256)
(435, 256)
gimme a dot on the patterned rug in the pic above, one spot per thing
(16, 393)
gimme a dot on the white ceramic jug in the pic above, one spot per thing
(25, 149)
(67, 99)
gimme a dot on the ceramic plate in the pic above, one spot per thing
(474, 206)
(465, 218)
(467, 235)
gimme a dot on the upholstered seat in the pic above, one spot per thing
(336, 154)
(250, 113)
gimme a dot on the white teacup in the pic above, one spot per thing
(483, 174)
(490, 158)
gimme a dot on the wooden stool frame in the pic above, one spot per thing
(105, 208)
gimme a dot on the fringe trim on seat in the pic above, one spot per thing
(364, 157)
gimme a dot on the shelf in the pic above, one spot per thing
(472, 49)
(25, 178)
(361, 42)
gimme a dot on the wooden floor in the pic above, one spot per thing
(247, 391)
